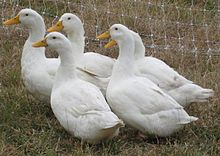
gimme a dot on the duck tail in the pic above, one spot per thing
(188, 120)
(189, 93)
(118, 124)
(203, 94)
(192, 118)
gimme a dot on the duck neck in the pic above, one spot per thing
(66, 70)
(67, 63)
(77, 40)
(139, 48)
(31, 54)
(37, 31)
(124, 66)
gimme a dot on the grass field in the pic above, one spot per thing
(28, 126)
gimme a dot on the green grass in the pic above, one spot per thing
(28, 126)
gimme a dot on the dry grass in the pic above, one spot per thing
(28, 127)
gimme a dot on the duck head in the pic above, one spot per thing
(27, 17)
(69, 23)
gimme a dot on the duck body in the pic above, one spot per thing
(35, 72)
(160, 73)
(98, 64)
(82, 111)
(79, 105)
(178, 87)
(138, 101)
(141, 104)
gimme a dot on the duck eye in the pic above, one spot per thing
(68, 18)
(116, 28)
(26, 14)
(54, 37)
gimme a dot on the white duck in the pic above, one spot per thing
(182, 90)
(37, 71)
(78, 105)
(137, 100)
(95, 63)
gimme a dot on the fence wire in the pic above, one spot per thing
(185, 26)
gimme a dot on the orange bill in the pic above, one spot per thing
(42, 43)
(57, 27)
(12, 21)
(103, 36)
(111, 44)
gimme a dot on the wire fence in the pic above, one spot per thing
(185, 26)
